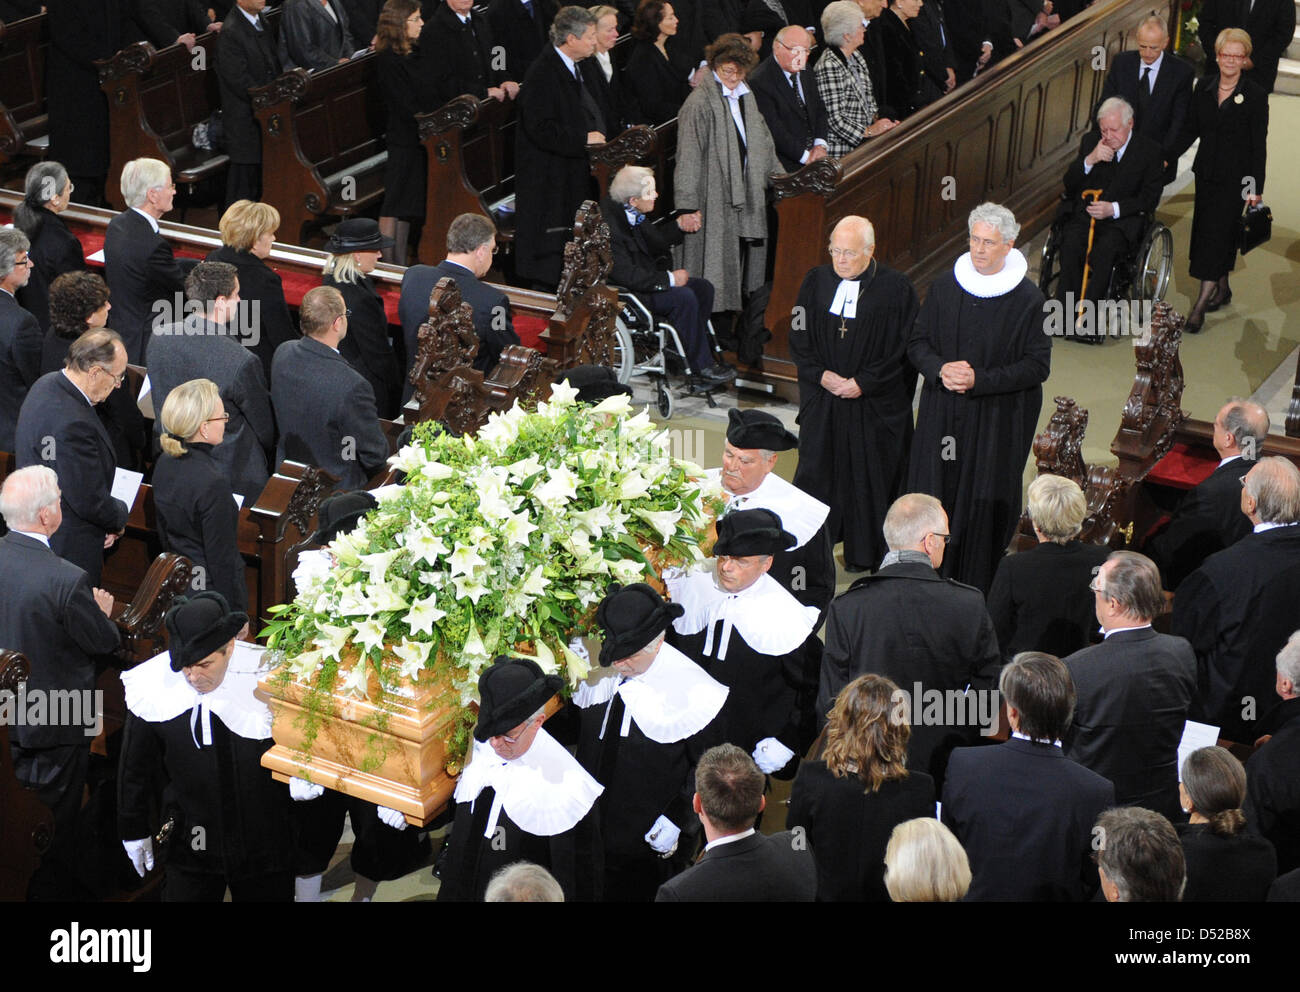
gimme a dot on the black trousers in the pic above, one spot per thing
(182, 885)
(243, 182)
(687, 308)
(1108, 245)
(58, 777)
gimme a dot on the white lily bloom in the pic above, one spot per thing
(410, 459)
(627, 570)
(414, 656)
(331, 639)
(370, 635)
(517, 528)
(619, 403)
(356, 680)
(634, 485)
(664, 521)
(377, 564)
(424, 614)
(464, 560)
(474, 652)
(524, 468)
(424, 545)
(470, 587)
(536, 582)
(560, 487)
(574, 666)
(562, 394)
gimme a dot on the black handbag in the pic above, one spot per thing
(1256, 227)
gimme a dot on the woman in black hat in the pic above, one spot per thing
(354, 249)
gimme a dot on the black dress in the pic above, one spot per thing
(54, 250)
(658, 85)
(261, 284)
(406, 92)
(367, 347)
(1239, 868)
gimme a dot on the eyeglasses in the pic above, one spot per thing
(1096, 585)
(117, 379)
(844, 253)
(1225, 57)
(794, 49)
(728, 69)
(943, 537)
(223, 418)
(22, 261)
(495, 248)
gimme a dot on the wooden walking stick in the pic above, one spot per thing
(1087, 258)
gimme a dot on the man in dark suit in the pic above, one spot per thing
(1238, 608)
(172, 22)
(246, 57)
(215, 341)
(1270, 24)
(739, 864)
(456, 52)
(314, 34)
(930, 28)
(58, 428)
(558, 119)
(520, 28)
(1127, 169)
(642, 256)
(139, 265)
(50, 613)
(471, 243)
(20, 334)
(1027, 789)
(913, 626)
(873, 51)
(1158, 85)
(788, 98)
(325, 409)
(1134, 689)
(1272, 803)
(1209, 518)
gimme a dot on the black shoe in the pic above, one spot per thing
(1194, 322)
(1215, 303)
(855, 569)
(718, 374)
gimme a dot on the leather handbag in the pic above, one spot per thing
(1256, 227)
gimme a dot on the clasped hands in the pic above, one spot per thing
(845, 389)
(957, 377)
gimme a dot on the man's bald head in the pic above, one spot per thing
(793, 43)
(1271, 494)
(859, 226)
(1240, 428)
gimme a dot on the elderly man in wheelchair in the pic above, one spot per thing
(643, 268)
(1112, 189)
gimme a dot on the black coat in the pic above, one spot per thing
(245, 58)
(1272, 804)
(793, 130)
(141, 270)
(407, 90)
(848, 827)
(20, 363)
(310, 38)
(54, 250)
(1270, 24)
(363, 18)
(907, 623)
(367, 347)
(1024, 813)
(759, 868)
(617, 106)
(197, 518)
(321, 403)
(1134, 182)
(1234, 134)
(642, 254)
(1040, 600)
(972, 22)
(1165, 113)
(930, 29)
(521, 35)
(456, 58)
(1239, 868)
(47, 612)
(1133, 693)
(163, 21)
(551, 138)
(909, 86)
(658, 85)
(758, 15)
(493, 322)
(261, 286)
(1237, 611)
(1207, 520)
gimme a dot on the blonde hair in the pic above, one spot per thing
(343, 268)
(1057, 507)
(1228, 35)
(924, 862)
(184, 411)
(245, 221)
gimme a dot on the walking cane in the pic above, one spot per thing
(1087, 258)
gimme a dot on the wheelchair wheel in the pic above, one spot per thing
(624, 352)
(1154, 263)
(664, 400)
(1049, 267)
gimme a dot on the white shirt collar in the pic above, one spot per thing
(1261, 527)
(1115, 630)
(75, 386)
(568, 62)
(1230, 458)
(149, 217)
(729, 839)
(1154, 67)
(728, 94)
(999, 284)
(34, 536)
(1025, 737)
(251, 18)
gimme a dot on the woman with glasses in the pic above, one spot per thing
(844, 81)
(1229, 113)
(197, 513)
(54, 249)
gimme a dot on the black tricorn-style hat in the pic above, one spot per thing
(743, 533)
(509, 692)
(357, 234)
(198, 626)
(631, 617)
(757, 429)
(341, 512)
(595, 383)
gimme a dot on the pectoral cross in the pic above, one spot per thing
(844, 328)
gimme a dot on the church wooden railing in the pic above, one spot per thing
(23, 118)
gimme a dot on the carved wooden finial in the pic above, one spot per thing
(588, 258)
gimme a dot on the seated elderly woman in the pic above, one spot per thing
(1040, 600)
(54, 249)
(643, 265)
(924, 862)
(850, 801)
(1225, 863)
(844, 81)
(248, 231)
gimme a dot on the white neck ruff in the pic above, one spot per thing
(998, 284)
(800, 514)
(672, 700)
(771, 621)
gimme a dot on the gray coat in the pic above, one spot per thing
(732, 196)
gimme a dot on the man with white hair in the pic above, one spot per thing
(140, 267)
(848, 339)
(50, 613)
(1273, 772)
(980, 348)
(907, 623)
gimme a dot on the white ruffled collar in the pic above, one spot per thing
(771, 621)
(670, 701)
(998, 284)
(544, 791)
(157, 694)
(800, 514)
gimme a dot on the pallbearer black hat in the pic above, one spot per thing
(340, 513)
(595, 383)
(752, 532)
(511, 691)
(631, 617)
(757, 429)
(198, 626)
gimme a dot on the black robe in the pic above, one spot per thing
(853, 453)
(970, 448)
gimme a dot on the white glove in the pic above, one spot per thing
(391, 817)
(663, 836)
(300, 790)
(771, 755)
(141, 854)
(580, 649)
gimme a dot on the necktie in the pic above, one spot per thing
(1144, 88)
(798, 95)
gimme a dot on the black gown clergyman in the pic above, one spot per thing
(970, 448)
(853, 453)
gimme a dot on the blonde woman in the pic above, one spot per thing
(197, 514)
(924, 862)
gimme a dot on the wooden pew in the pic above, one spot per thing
(655, 147)
(24, 123)
(155, 98)
(26, 823)
(322, 143)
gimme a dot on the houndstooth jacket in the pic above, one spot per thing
(845, 88)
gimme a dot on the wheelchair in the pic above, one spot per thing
(647, 346)
(1140, 277)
